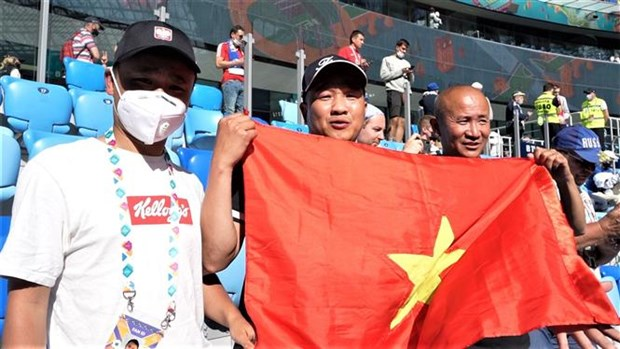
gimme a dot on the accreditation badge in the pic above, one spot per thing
(129, 329)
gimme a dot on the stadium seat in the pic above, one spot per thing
(11, 161)
(75, 92)
(6, 131)
(391, 145)
(200, 122)
(5, 223)
(37, 141)
(613, 294)
(232, 277)
(84, 75)
(291, 126)
(176, 139)
(289, 111)
(93, 113)
(35, 105)
(196, 161)
(206, 97)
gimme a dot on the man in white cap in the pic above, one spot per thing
(513, 108)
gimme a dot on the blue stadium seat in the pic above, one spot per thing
(391, 145)
(176, 139)
(291, 126)
(37, 141)
(5, 223)
(289, 111)
(84, 75)
(75, 92)
(200, 121)
(613, 294)
(93, 113)
(196, 161)
(11, 161)
(35, 105)
(232, 277)
(6, 131)
(206, 97)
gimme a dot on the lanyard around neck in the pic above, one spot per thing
(129, 292)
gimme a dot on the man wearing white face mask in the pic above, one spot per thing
(395, 72)
(105, 238)
(595, 114)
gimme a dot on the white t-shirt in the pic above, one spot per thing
(65, 234)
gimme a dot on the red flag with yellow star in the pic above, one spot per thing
(354, 246)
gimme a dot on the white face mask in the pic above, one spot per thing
(149, 116)
(400, 54)
(590, 96)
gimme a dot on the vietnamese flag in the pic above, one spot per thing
(354, 246)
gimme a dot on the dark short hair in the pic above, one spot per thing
(548, 87)
(354, 34)
(235, 29)
(134, 341)
(401, 42)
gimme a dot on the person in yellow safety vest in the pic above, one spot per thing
(594, 115)
(546, 110)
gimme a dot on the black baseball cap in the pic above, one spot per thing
(145, 35)
(94, 20)
(588, 91)
(333, 65)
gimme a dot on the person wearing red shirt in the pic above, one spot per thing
(351, 52)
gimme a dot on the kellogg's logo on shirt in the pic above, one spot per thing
(156, 210)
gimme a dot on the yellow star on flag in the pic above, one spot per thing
(423, 271)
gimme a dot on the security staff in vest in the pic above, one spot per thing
(594, 115)
(546, 110)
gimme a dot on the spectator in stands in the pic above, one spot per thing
(373, 131)
(602, 182)
(373, 127)
(561, 103)
(10, 66)
(230, 58)
(80, 265)
(546, 110)
(333, 106)
(427, 102)
(429, 135)
(463, 118)
(434, 20)
(396, 71)
(513, 109)
(464, 129)
(600, 242)
(84, 46)
(595, 114)
(351, 52)
(479, 86)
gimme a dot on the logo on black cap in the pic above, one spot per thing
(162, 33)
